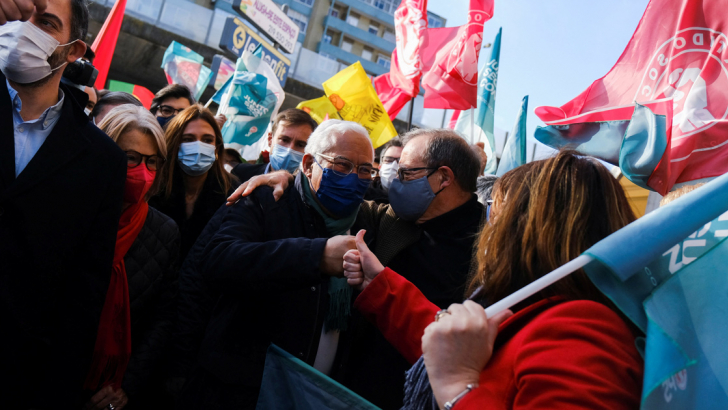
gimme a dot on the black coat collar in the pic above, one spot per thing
(64, 143)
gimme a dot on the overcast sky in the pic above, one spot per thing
(550, 50)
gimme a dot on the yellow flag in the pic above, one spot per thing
(319, 108)
(352, 94)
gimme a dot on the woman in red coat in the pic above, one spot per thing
(565, 348)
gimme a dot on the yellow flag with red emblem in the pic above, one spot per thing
(353, 96)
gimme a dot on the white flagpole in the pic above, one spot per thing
(538, 285)
(472, 125)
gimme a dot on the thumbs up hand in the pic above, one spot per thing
(360, 264)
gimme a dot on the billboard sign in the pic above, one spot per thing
(238, 37)
(271, 20)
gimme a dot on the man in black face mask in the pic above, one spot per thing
(428, 232)
(61, 188)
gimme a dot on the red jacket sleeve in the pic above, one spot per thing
(399, 310)
(576, 355)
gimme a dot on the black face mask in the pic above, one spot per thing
(163, 121)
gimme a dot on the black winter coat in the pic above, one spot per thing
(151, 272)
(195, 303)
(264, 261)
(208, 202)
(58, 224)
(246, 171)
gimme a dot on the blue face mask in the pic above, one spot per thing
(163, 121)
(410, 199)
(341, 195)
(285, 158)
(195, 158)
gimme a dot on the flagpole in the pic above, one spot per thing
(409, 117)
(472, 125)
(538, 285)
(533, 155)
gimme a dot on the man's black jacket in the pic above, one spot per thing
(264, 261)
(58, 223)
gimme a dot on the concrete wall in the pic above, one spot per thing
(315, 29)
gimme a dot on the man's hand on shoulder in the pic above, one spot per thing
(278, 180)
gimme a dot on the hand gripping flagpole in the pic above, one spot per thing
(537, 285)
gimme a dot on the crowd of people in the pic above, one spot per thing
(144, 265)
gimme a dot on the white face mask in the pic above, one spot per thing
(387, 173)
(24, 52)
(88, 112)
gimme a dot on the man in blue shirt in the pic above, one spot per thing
(61, 189)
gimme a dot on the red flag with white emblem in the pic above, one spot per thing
(450, 60)
(680, 52)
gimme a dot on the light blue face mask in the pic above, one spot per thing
(282, 158)
(195, 158)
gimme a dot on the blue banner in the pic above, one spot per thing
(480, 127)
(514, 152)
(289, 383)
(650, 270)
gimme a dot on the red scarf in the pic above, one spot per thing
(113, 340)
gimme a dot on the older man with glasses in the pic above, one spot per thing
(427, 233)
(278, 266)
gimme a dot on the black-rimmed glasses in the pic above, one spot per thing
(344, 167)
(153, 162)
(404, 173)
(169, 111)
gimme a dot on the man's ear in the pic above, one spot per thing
(270, 141)
(447, 177)
(307, 163)
(76, 51)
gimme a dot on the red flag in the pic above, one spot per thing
(105, 42)
(678, 51)
(402, 83)
(450, 60)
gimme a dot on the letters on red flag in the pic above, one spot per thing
(402, 83)
(679, 51)
(450, 60)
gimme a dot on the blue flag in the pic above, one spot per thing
(217, 97)
(664, 272)
(252, 98)
(481, 126)
(514, 153)
(289, 383)
(183, 66)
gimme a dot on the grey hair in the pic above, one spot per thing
(446, 148)
(324, 137)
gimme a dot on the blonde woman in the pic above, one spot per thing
(138, 313)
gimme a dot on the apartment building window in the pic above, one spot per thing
(366, 54)
(389, 6)
(327, 39)
(389, 35)
(347, 45)
(353, 19)
(374, 28)
(434, 22)
(309, 3)
(298, 18)
(383, 61)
